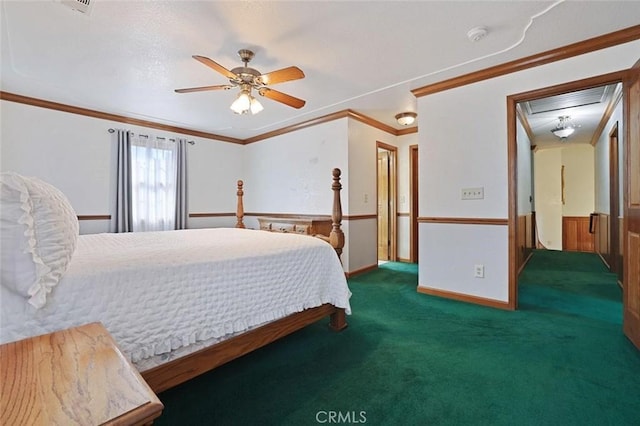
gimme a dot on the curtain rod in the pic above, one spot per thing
(157, 137)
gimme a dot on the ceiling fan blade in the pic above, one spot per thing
(282, 97)
(215, 66)
(204, 88)
(280, 76)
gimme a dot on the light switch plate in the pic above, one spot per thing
(472, 193)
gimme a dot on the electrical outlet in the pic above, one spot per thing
(472, 193)
(366, 198)
(478, 271)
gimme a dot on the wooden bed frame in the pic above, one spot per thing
(189, 366)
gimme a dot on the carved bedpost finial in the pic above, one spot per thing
(240, 207)
(336, 237)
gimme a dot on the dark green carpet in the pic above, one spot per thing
(408, 358)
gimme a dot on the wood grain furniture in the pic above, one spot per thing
(296, 225)
(74, 376)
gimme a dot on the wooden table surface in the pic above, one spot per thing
(72, 377)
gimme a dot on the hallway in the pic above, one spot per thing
(571, 283)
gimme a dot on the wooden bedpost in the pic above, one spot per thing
(240, 206)
(338, 321)
(336, 237)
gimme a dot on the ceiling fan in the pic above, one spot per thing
(247, 79)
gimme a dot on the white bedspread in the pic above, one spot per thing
(158, 291)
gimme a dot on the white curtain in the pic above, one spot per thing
(153, 183)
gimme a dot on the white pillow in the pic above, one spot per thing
(38, 235)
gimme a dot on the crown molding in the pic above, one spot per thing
(111, 117)
(13, 97)
(298, 126)
(575, 49)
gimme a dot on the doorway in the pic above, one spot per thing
(631, 147)
(386, 201)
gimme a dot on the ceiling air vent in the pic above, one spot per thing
(585, 97)
(82, 6)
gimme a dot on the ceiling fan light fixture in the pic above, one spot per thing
(406, 118)
(564, 128)
(256, 106)
(242, 103)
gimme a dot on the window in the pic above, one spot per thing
(153, 184)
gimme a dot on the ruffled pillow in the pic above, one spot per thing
(38, 236)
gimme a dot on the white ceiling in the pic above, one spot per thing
(127, 57)
(585, 108)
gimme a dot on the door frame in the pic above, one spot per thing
(413, 206)
(631, 209)
(393, 197)
(614, 203)
(512, 102)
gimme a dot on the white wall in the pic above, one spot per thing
(404, 193)
(290, 173)
(548, 195)
(463, 143)
(363, 160)
(579, 189)
(579, 180)
(77, 154)
(602, 163)
(524, 168)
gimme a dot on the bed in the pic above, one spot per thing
(178, 303)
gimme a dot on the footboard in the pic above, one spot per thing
(182, 369)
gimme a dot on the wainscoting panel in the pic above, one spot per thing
(602, 237)
(576, 235)
(526, 241)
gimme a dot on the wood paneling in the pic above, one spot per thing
(601, 237)
(524, 239)
(576, 235)
(631, 233)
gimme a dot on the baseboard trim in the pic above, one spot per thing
(604, 261)
(404, 260)
(476, 300)
(525, 263)
(361, 270)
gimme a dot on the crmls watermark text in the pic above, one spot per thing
(338, 417)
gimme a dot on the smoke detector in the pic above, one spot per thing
(477, 33)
